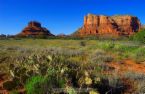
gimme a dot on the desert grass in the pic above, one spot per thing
(71, 63)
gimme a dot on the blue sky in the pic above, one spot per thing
(62, 16)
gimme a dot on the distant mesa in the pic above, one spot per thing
(143, 26)
(61, 35)
(34, 29)
(93, 25)
(109, 25)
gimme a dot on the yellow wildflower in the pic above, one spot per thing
(88, 81)
(93, 92)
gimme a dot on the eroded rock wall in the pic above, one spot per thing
(112, 25)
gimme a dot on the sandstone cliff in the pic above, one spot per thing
(110, 25)
(34, 28)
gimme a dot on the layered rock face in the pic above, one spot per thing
(110, 25)
(34, 28)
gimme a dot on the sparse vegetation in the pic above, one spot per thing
(140, 36)
(71, 65)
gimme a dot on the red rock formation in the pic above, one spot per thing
(114, 25)
(34, 28)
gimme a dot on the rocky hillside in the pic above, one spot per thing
(34, 28)
(110, 25)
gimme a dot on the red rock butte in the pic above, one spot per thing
(109, 25)
(34, 28)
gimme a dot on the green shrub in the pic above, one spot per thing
(45, 84)
(139, 55)
(33, 86)
(82, 43)
(108, 45)
(140, 36)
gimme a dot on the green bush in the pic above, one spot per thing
(82, 43)
(139, 55)
(33, 86)
(45, 84)
(108, 45)
(140, 36)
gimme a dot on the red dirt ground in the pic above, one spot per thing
(128, 66)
